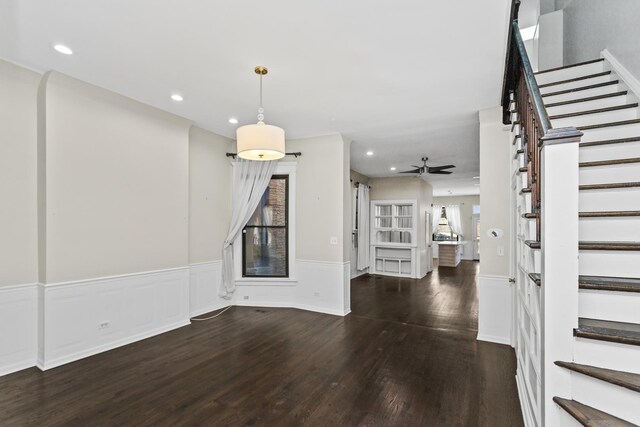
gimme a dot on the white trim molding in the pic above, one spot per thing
(495, 309)
(204, 282)
(86, 317)
(629, 79)
(18, 327)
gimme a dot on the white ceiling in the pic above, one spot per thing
(403, 79)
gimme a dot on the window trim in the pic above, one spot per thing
(286, 230)
(284, 168)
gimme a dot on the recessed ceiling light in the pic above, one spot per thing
(63, 49)
(369, 153)
(233, 121)
(177, 97)
(476, 177)
(392, 168)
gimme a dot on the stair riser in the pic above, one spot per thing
(584, 93)
(610, 398)
(608, 305)
(597, 118)
(610, 151)
(609, 263)
(629, 172)
(610, 229)
(625, 199)
(611, 132)
(591, 105)
(608, 355)
(570, 73)
(577, 84)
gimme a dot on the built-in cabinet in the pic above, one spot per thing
(394, 237)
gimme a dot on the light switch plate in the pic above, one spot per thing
(333, 240)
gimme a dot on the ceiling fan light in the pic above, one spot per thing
(260, 142)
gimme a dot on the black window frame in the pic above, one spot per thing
(286, 228)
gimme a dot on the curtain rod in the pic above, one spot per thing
(295, 154)
(358, 183)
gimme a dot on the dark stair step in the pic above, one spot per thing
(533, 244)
(588, 416)
(610, 124)
(594, 111)
(623, 379)
(587, 99)
(530, 215)
(523, 169)
(610, 141)
(610, 162)
(515, 138)
(603, 283)
(525, 190)
(609, 246)
(581, 88)
(606, 330)
(610, 186)
(570, 66)
(608, 214)
(513, 124)
(536, 277)
(575, 79)
(520, 151)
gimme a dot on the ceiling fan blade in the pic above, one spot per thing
(441, 172)
(411, 171)
(439, 168)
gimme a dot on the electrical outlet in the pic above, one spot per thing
(333, 240)
(103, 325)
(500, 250)
(246, 297)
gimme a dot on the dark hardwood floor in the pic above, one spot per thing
(406, 356)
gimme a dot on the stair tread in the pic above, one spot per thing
(581, 88)
(533, 244)
(578, 64)
(610, 124)
(536, 277)
(605, 214)
(594, 111)
(587, 99)
(604, 283)
(610, 141)
(576, 79)
(588, 416)
(610, 162)
(607, 330)
(610, 246)
(609, 186)
(623, 379)
(530, 215)
(525, 190)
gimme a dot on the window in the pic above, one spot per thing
(444, 232)
(265, 238)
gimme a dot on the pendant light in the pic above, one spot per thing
(260, 141)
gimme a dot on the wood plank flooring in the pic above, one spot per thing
(406, 356)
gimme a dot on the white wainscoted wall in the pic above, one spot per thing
(204, 283)
(86, 317)
(495, 302)
(18, 327)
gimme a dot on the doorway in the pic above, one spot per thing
(475, 236)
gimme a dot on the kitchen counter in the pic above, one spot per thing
(449, 253)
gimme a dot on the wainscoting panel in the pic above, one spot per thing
(495, 301)
(18, 327)
(204, 283)
(87, 317)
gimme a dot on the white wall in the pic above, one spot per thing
(466, 216)
(494, 291)
(591, 26)
(18, 163)
(117, 182)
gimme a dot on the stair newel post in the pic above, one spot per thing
(558, 178)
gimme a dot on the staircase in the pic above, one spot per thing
(600, 377)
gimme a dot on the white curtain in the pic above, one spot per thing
(435, 217)
(250, 180)
(363, 227)
(453, 216)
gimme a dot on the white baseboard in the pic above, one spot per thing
(18, 327)
(134, 306)
(629, 79)
(494, 309)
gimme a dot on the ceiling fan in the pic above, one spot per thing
(430, 169)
